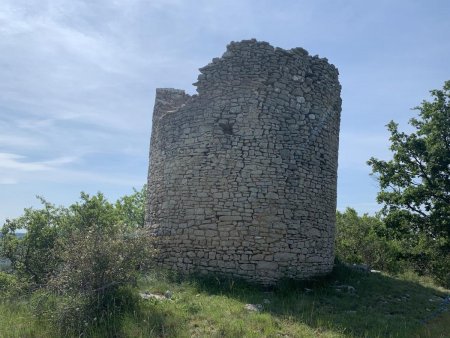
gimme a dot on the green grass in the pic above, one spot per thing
(380, 306)
(17, 321)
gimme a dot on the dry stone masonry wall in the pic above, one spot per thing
(242, 177)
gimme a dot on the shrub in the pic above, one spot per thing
(75, 314)
(98, 265)
(362, 239)
(131, 208)
(426, 257)
(440, 266)
(37, 255)
(84, 256)
(100, 259)
(366, 239)
(34, 256)
(10, 286)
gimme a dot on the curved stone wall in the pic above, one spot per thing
(242, 176)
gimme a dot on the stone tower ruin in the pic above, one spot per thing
(242, 176)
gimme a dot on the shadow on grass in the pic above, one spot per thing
(346, 301)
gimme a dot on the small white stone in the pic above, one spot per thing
(253, 307)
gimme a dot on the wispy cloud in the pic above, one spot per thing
(15, 169)
(15, 162)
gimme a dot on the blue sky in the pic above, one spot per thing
(78, 80)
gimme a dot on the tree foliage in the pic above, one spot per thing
(87, 254)
(415, 183)
(50, 231)
(132, 208)
(34, 256)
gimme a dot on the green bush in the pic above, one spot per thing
(440, 267)
(426, 257)
(363, 240)
(80, 315)
(33, 257)
(98, 268)
(10, 286)
(131, 208)
(81, 258)
(367, 240)
(37, 256)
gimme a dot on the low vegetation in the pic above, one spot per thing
(348, 303)
(75, 266)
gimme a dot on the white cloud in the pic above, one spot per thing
(82, 176)
(18, 163)
(16, 169)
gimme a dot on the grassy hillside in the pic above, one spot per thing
(345, 304)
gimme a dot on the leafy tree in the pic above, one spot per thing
(93, 212)
(34, 256)
(415, 184)
(131, 208)
(89, 254)
(50, 231)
